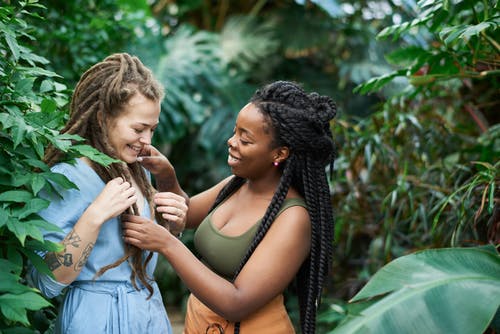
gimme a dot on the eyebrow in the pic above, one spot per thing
(246, 132)
(147, 124)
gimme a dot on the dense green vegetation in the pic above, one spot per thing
(416, 180)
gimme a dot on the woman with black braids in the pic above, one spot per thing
(262, 228)
(109, 286)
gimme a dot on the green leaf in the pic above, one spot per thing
(36, 163)
(37, 183)
(14, 306)
(10, 38)
(14, 256)
(19, 196)
(38, 262)
(4, 216)
(48, 105)
(44, 225)
(407, 56)
(18, 228)
(47, 246)
(32, 206)
(452, 34)
(60, 179)
(438, 286)
(8, 266)
(37, 71)
(62, 144)
(20, 178)
(9, 282)
(398, 29)
(491, 198)
(377, 83)
(38, 147)
(7, 120)
(94, 154)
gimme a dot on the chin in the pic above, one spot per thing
(129, 160)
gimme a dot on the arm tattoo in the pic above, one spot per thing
(52, 261)
(72, 239)
(84, 257)
(55, 260)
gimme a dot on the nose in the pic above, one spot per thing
(230, 142)
(146, 139)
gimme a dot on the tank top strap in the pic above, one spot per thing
(289, 202)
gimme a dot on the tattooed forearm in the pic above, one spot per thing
(72, 239)
(85, 256)
(64, 258)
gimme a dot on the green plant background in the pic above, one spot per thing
(418, 134)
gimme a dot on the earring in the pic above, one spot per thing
(275, 164)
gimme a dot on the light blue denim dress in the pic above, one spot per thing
(108, 304)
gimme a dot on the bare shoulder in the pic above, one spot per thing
(294, 219)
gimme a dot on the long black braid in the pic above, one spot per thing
(299, 121)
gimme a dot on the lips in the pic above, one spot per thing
(135, 148)
(231, 159)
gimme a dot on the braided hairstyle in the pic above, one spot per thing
(101, 93)
(299, 121)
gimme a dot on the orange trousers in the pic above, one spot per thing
(270, 319)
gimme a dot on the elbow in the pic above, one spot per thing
(48, 286)
(233, 315)
(237, 311)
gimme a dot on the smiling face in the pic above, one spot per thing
(133, 127)
(251, 153)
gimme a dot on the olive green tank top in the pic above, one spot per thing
(223, 253)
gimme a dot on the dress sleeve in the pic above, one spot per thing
(64, 211)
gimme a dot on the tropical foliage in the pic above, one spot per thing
(426, 291)
(416, 179)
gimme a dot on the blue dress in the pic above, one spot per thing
(108, 304)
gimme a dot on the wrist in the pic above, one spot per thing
(169, 246)
(92, 217)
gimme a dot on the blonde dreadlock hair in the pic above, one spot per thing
(100, 95)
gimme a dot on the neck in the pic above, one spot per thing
(263, 187)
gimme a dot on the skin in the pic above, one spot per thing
(278, 257)
(129, 134)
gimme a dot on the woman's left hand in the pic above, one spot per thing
(173, 209)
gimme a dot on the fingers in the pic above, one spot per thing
(116, 197)
(172, 206)
(146, 150)
(125, 191)
(149, 153)
(131, 220)
(134, 228)
(143, 233)
(168, 198)
(132, 237)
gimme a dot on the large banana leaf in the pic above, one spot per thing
(448, 290)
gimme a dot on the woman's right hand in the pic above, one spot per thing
(154, 161)
(116, 197)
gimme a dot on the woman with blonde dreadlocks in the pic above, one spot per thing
(267, 225)
(109, 284)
